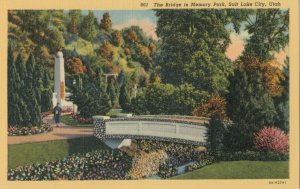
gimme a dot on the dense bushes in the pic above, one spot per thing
(96, 165)
(166, 99)
(271, 139)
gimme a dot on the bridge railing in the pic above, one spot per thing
(160, 128)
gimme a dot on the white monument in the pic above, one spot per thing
(59, 95)
(59, 78)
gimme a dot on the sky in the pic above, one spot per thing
(146, 19)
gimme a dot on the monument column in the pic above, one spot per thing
(59, 78)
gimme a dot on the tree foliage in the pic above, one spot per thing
(193, 47)
(107, 51)
(269, 30)
(216, 105)
(250, 108)
(90, 95)
(75, 21)
(125, 97)
(106, 23)
(46, 93)
(75, 66)
(88, 27)
(272, 74)
(216, 131)
(282, 102)
(160, 98)
(117, 38)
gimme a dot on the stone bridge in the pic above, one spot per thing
(181, 129)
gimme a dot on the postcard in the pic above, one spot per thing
(154, 94)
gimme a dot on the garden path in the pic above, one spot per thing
(58, 133)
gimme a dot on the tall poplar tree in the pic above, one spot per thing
(22, 103)
(14, 113)
(47, 93)
(111, 91)
(31, 98)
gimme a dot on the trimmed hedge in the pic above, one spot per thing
(251, 156)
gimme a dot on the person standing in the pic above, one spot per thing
(57, 113)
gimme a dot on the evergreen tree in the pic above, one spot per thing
(106, 22)
(216, 131)
(121, 78)
(249, 107)
(25, 117)
(90, 95)
(282, 102)
(46, 103)
(31, 98)
(38, 82)
(103, 100)
(14, 113)
(111, 91)
(124, 98)
(88, 28)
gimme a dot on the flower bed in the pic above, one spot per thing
(147, 164)
(81, 119)
(167, 170)
(96, 165)
(21, 131)
(179, 154)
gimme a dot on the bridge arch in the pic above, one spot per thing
(181, 129)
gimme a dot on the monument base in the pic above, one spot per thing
(65, 105)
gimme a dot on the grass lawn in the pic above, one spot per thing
(25, 154)
(240, 170)
(68, 120)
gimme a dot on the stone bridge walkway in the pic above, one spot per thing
(62, 132)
